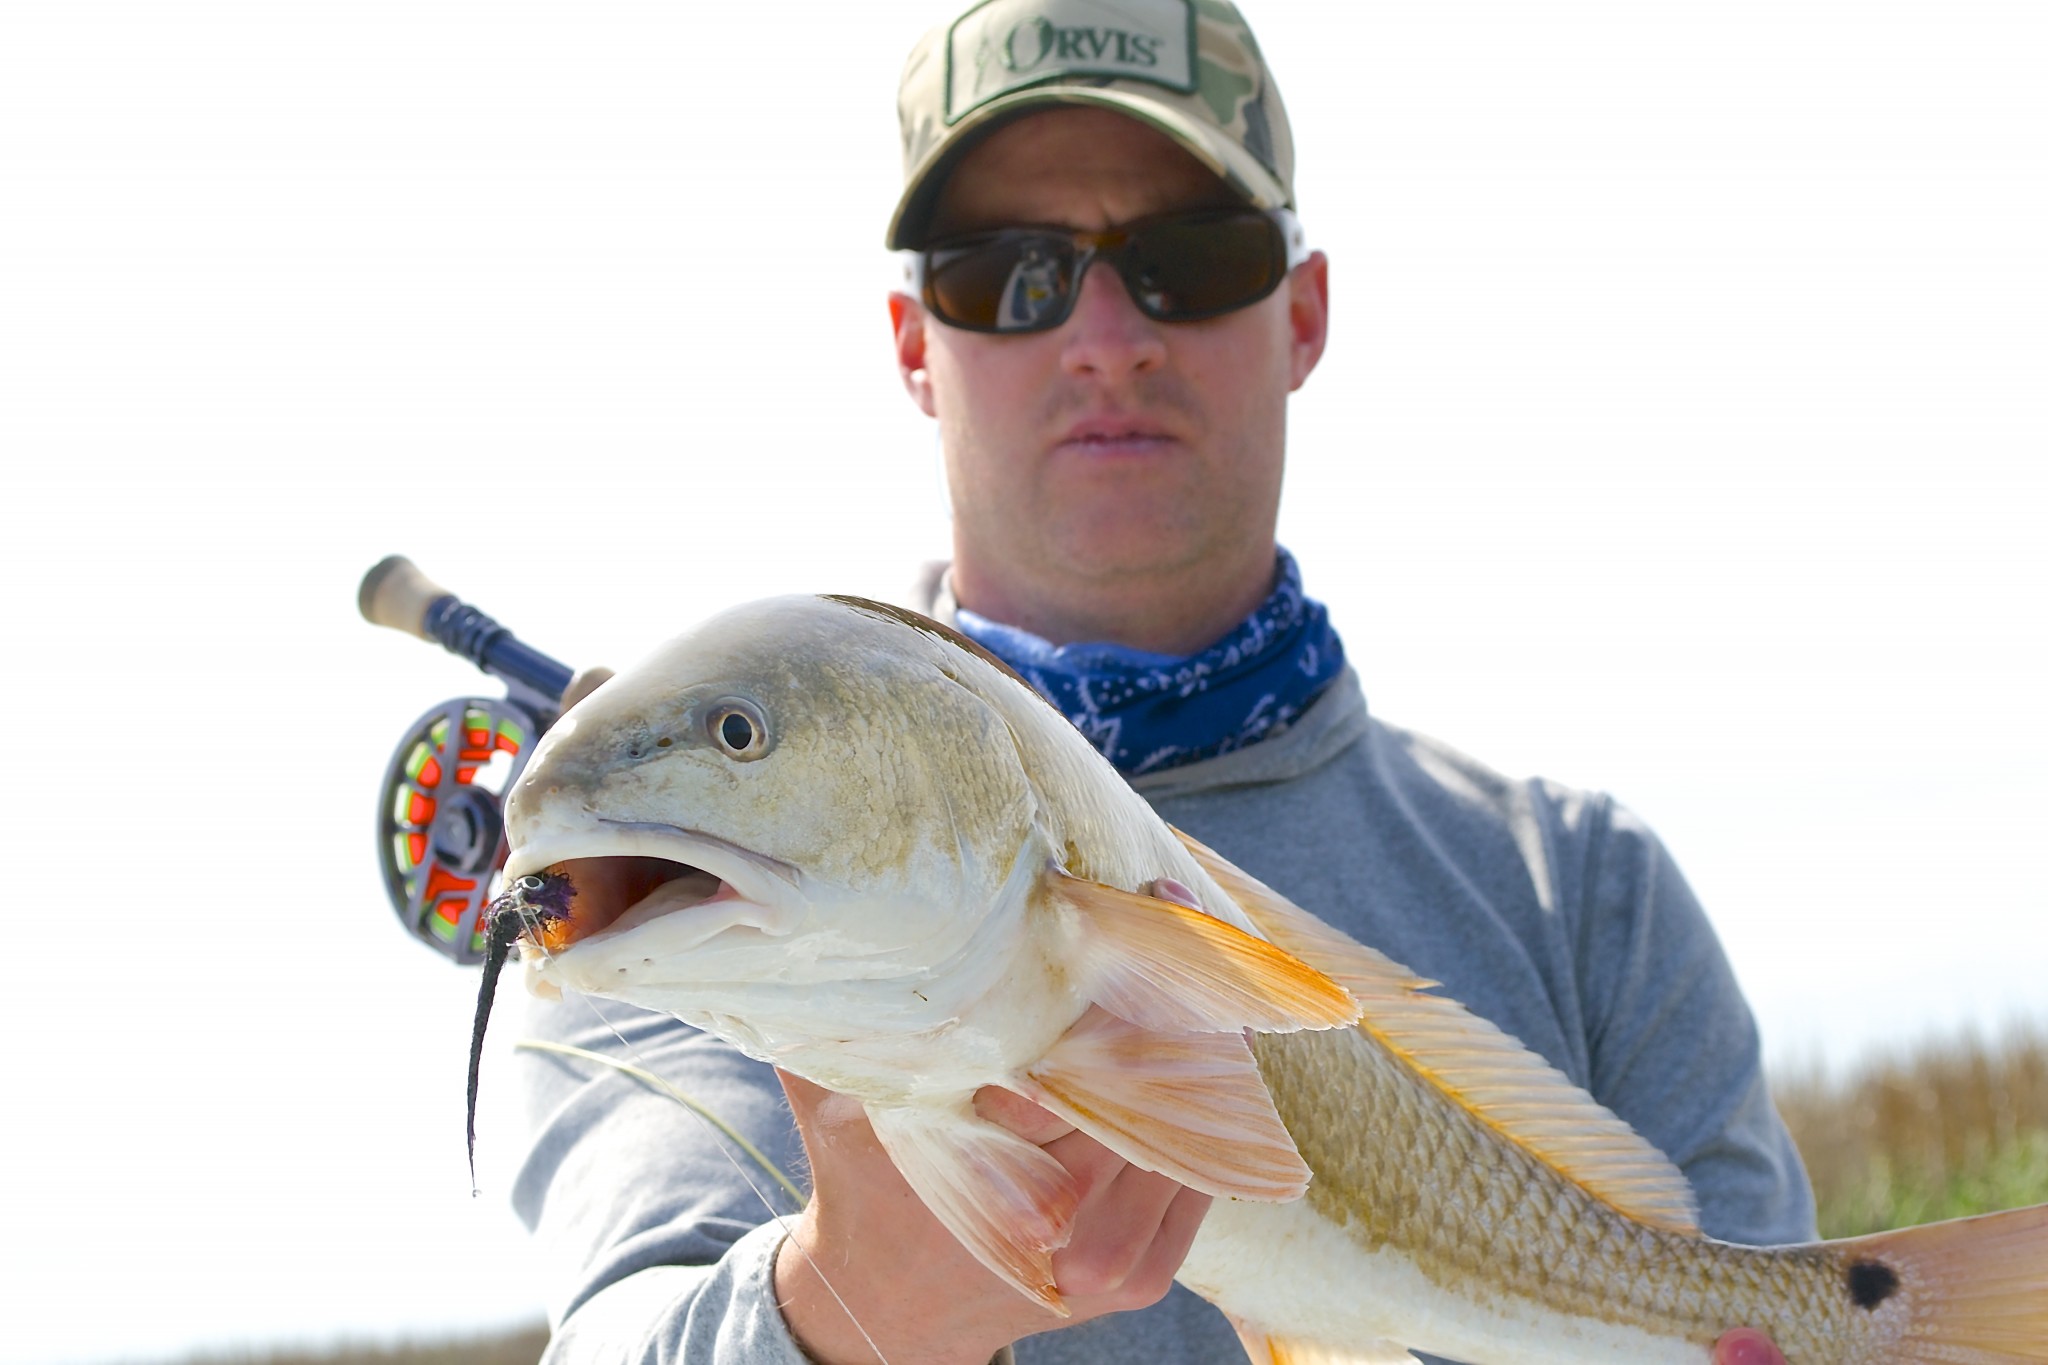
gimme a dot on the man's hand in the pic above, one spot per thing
(1747, 1346)
(583, 683)
(913, 1289)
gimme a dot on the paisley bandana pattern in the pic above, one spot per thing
(1149, 711)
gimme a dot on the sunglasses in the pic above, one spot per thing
(1179, 267)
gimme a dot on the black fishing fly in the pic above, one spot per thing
(529, 903)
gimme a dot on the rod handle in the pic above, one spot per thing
(396, 594)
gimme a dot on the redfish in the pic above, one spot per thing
(848, 841)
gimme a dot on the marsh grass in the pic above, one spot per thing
(1947, 1129)
(520, 1346)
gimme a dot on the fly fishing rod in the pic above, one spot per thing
(440, 817)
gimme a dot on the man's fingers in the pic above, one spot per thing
(585, 681)
(1176, 1235)
(1132, 1231)
(1747, 1346)
(1027, 1120)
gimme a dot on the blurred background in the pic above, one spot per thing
(1681, 434)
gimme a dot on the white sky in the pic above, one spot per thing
(1682, 434)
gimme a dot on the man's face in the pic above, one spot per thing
(1113, 445)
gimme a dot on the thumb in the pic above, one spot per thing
(586, 681)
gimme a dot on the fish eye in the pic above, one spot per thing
(531, 882)
(737, 727)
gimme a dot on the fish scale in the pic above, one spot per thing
(1487, 1221)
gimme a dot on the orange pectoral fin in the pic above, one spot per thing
(1188, 1105)
(1166, 967)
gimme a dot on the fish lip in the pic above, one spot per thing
(753, 877)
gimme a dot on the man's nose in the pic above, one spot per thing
(1106, 337)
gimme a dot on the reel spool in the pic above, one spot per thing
(440, 824)
(440, 814)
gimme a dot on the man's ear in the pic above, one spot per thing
(1308, 315)
(906, 320)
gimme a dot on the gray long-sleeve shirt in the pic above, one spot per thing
(1555, 913)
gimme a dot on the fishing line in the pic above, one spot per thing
(676, 1093)
(719, 1126)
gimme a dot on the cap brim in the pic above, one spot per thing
(1231, 163)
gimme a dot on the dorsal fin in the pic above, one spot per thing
(1491, 1074)
(938, 630)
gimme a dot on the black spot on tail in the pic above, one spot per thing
(1871, 1283)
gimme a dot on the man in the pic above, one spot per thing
(1109, 307)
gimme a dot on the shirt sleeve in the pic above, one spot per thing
(1672, 1046)
(653, 1229)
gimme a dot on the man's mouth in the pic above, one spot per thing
(1116, 436)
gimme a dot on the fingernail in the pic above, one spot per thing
(1745, 1346)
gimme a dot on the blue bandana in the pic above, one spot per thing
(1151, 711)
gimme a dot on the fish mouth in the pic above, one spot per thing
(623, 874)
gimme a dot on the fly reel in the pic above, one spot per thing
(441, 826)
(440, 816)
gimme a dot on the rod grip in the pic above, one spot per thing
(396, 594)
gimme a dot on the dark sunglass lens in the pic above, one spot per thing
(1014, 282)
(1199, 267)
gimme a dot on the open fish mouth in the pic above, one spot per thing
(620, 893)
(622, 875)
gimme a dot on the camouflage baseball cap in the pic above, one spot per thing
(1189, 68)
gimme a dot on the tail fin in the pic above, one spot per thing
(1976, 1288)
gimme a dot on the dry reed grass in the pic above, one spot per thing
(1949, 1128)
(520, 1346)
